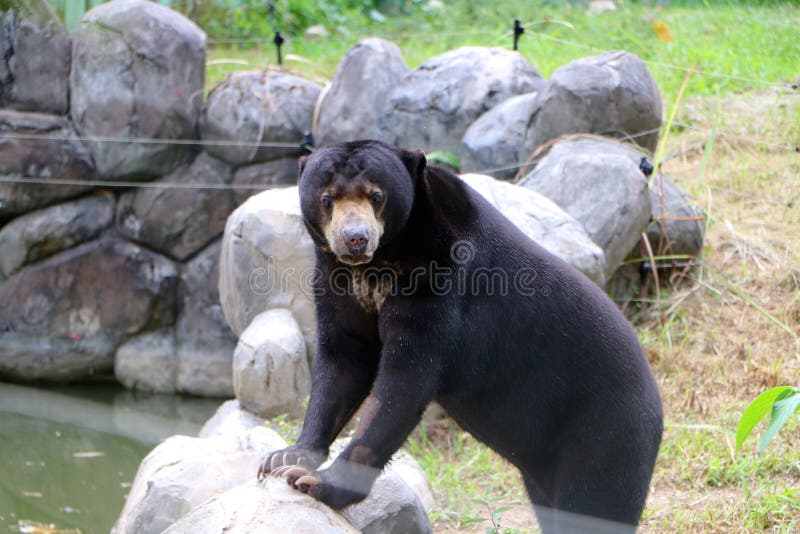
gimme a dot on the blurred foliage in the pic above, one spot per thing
(248, 18)
(40, 10)
(232, 19)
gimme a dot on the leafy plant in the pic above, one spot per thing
(781, 402)
(248, 19)
(442, 157)
(494, 515)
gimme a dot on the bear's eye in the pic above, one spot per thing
(327, 201)
(376, 197)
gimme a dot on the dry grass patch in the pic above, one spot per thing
(735, 331)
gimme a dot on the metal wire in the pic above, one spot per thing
(696, 70)
(140, 185)
(405, 36)
(149, 140)
(198, 185)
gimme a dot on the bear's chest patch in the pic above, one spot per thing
(371, 286)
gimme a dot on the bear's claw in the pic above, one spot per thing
(297, 476)
(307, 484)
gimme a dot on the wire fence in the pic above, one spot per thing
(148, 140)
(509, 34)
(246, 144)
(504, 34)
(73, 11)
(791, 88)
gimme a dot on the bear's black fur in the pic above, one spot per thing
(457, 305)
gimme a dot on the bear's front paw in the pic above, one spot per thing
(336, 493)
(291, 456)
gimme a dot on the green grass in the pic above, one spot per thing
(733, 47)
(469, 477)
(702, 455)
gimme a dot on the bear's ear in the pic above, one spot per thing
(415, 162)
(301, 164)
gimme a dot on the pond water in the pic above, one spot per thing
(68, 455)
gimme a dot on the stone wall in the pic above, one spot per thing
(117, 178)
(95, 278)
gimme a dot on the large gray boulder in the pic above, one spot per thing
(138, 70)
(194, 355)
(252, 179)
(179, 221)
(271, 374)
(230, 419)
(147, 362)
(677, 229)
(183, 472)
(492, 143)
(35, 50)
(434, 104)
(249, 108)
(271, 507)
(597, 182)
(610, 94)
(544, 222)
(410, 472)
(393, 508)
(71, 311)
(41, 233)
(40, 150)
(363, 80)
(207, 484)
(398, 498)
(268, 262)
(205, 343)
(679, 224)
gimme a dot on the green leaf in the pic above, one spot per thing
(448, 158)
(496, 514)
(785, 405)
(471, 521)
(756, 411)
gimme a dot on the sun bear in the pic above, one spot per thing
(425, 292)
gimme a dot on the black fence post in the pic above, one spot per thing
(307, 144)
(518, 30)
(279, 40)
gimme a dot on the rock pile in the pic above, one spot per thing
(207, 484)
(124, 102)
(115, 279)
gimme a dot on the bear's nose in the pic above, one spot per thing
(356, 238)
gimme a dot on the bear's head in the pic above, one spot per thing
(357, 196)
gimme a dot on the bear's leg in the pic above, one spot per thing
(390, 413)
(602, 475)
(406, 382)
(339, 386)
(540, 492)
(343, 374)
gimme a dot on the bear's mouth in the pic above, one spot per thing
(353, 259)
